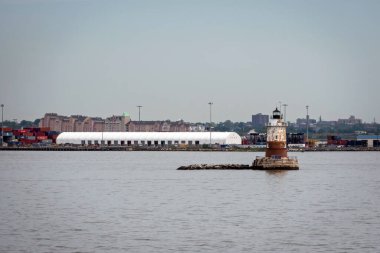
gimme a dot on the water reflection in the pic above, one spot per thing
(277, 173)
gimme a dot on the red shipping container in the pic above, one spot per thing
(26, 141)
(39, 134)
(44, 129)
(41, 138)
(28, 134)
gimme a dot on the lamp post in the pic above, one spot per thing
(139, 106)
(2, 124)
(307, 123)
(210, 103)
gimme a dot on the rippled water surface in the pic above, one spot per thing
(138, 202)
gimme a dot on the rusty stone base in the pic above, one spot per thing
(267, 163)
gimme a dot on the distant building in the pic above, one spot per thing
(123, 123)
(350, 121)
(93, 124)
(74, 123)
(159, 126)
(199, 127)
(259, 120)
(301, 122)
(117, 123)
(54, 121)
(324, 123)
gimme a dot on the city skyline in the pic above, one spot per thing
(251, 120)
(172, 57)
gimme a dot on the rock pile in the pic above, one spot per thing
(216, 167)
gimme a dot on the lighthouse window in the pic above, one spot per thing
(276, 137)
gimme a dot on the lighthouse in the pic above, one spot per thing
(276, 152)
(276, 136)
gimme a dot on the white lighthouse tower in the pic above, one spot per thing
(276, 153)
(276, 136)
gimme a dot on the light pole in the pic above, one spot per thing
(210, 103)
(139, 106)
(307, 123)
(104, 125)
(285, 105)
(2, 124)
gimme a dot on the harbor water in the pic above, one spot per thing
(139, 202)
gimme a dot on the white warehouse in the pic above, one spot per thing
(148, 138)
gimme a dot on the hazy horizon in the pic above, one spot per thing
(103, 58)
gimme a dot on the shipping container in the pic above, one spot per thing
(50, 133)
(42, 137)
(27, 142)
(16, 132)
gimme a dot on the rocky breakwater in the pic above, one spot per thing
(258, 164)
(216, 167)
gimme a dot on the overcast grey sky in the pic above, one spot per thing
(100, 58)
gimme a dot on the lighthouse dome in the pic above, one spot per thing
(276, 114)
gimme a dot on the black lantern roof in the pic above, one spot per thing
(276, 114)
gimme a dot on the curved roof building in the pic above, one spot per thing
(148, 138)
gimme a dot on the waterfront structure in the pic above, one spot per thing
(259, 120)
(148, 138)
(276, 153)
(370, 140)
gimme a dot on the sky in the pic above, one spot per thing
(103, 58)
